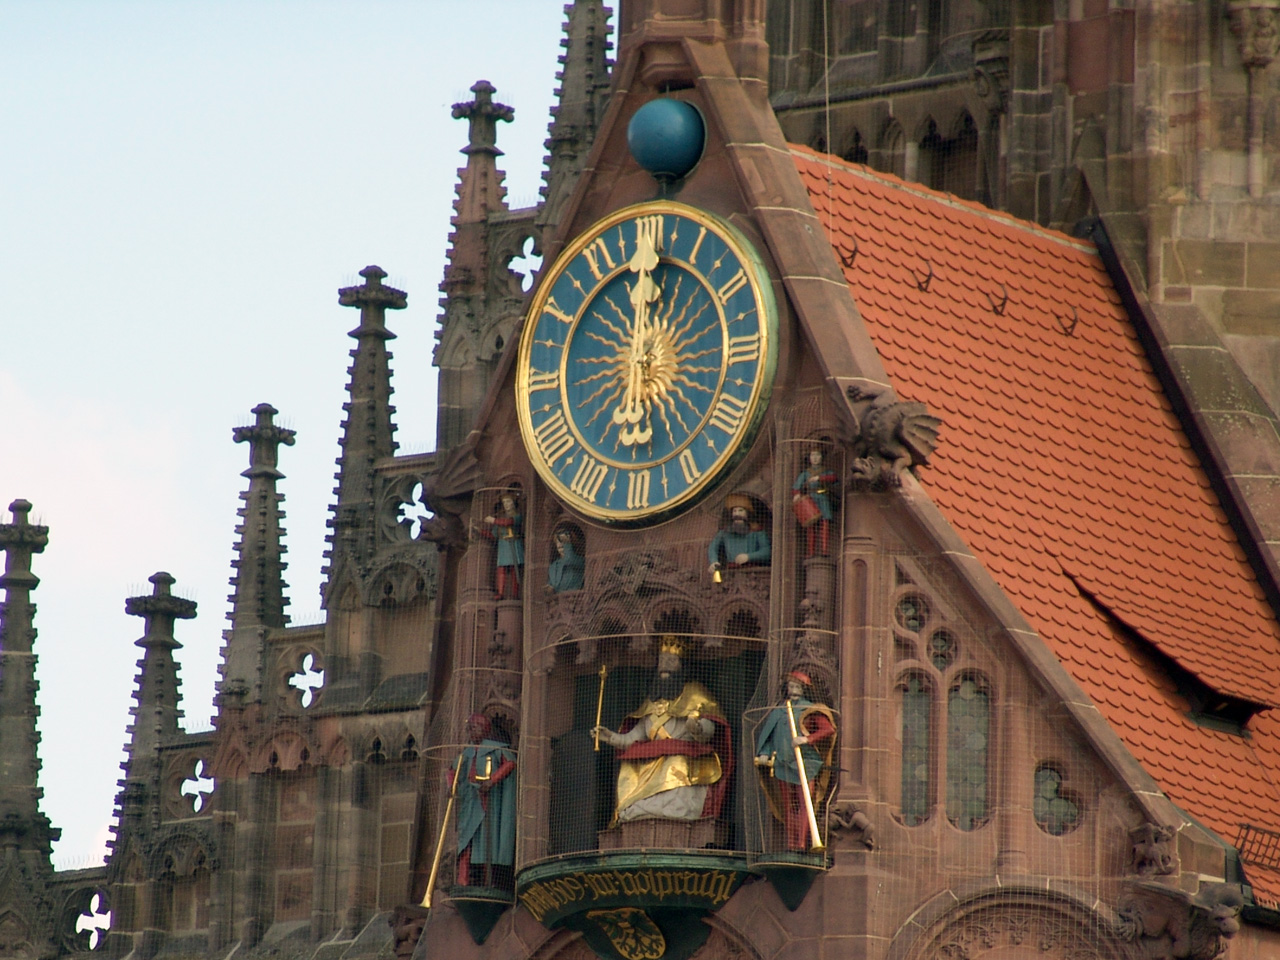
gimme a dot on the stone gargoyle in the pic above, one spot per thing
(890, 436)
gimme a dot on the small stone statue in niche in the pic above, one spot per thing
(740, 543)
(486, 807)
(776, 746)
(811, 501)
(568, 566)
(507, 529)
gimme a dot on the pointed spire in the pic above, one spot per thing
(470, 305)
(258, 598)
(19, 540)
(581, 98)
(480, 189)
(367, 431)
(156, 696)
(22, 825)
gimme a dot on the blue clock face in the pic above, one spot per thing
(646, 362)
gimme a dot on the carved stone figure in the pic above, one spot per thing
(776, 758)
(567, 570)
(1170, 924)
(406, 922)
(850, 823)
(1152, 850)
(891, 437)
(811, 500)
(739, 544)
(486, 807)
(446, 493)
(675, 749)
(507, 528)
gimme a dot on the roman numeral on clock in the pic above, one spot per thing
(556, 311)
(744, 349)
(596, 251)
(728, 413)
(544, 381)
(731, 286)
(553, 438)
(652, 229)
(689, 466)
(638, 490)
(587, 481)
(697, 245)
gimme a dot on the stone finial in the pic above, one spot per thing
(264, 438)
(484, 113)
(19, 540)
(160, 609)
(1256, 25)
(258, 598)
(372, 292)
(368, 433)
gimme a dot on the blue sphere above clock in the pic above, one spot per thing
(666, 137)
(646, 362)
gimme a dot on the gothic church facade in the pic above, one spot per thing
(917, 433)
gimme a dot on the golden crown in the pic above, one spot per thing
(671, 644)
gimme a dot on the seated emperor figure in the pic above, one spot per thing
(675, 749)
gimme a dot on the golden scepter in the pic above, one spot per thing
(604, 672)
(444, 826)
(804, 783)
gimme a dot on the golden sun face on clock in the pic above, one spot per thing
(646, 362)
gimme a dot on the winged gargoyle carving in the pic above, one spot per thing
(447, 493)
(891, 436)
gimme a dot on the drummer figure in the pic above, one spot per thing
(811, 502)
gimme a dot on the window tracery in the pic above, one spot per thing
(944, 702)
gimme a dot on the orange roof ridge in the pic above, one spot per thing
(969, 206)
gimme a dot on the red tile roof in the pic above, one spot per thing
(1064, 468)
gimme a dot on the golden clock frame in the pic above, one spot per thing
(761, 283)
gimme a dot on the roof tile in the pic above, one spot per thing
(1061, 462)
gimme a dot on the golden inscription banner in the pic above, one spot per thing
(550, 899)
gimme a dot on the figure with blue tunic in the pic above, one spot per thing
(739, 544)
(486, 800)
(507, 529)
(811, 500)
(796, 722)
(567, 570)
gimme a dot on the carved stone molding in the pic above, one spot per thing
(1009, 923)
(991, 70)
(1256, 25)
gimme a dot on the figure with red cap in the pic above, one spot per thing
(486, 802)
(775, 760)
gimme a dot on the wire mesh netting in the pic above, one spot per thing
(629, 691)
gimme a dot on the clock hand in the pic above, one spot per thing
(632, 414)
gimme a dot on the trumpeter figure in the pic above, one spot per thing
(797, 730)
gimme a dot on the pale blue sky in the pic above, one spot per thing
(183, 188)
